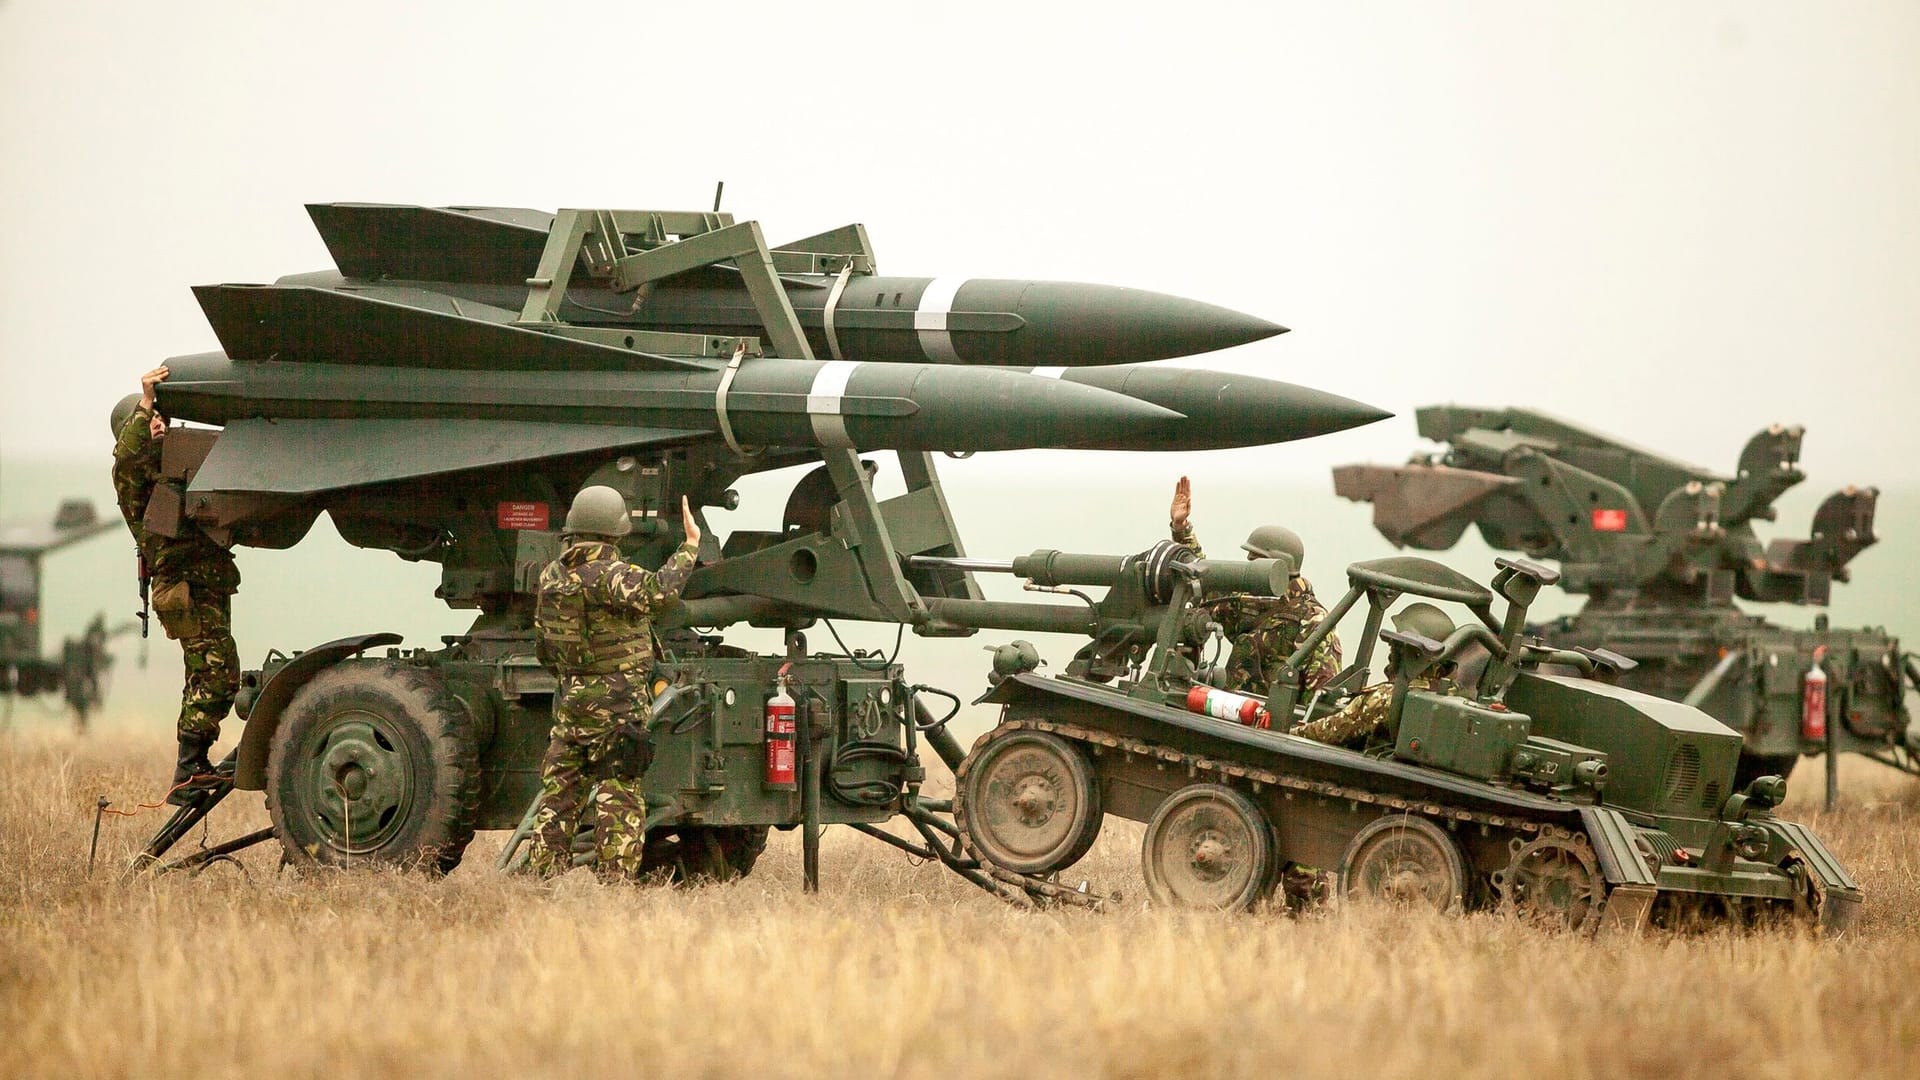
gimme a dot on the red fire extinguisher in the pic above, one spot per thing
(780, 736)
(1813, 698)
(1239, 708)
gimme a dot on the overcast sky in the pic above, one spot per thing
(1678, 221)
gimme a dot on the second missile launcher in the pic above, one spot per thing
(1663, 550)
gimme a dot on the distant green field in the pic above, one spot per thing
(1005, 504)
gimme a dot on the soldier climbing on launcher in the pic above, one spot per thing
(1365, 715)
(593, 623)
(191, 578)
(1264, 630)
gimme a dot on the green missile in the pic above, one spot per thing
(762, 402)
(485, 255)
(972, 320)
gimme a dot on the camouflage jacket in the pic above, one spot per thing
(195, 557)
(593, 614)
(1265, 630)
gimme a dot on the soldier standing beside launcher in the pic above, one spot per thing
(1264, 630)
(191, 579)
(593, 622)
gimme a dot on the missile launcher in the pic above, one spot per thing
(1663, 550)
(447, 388)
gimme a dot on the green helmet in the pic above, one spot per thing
(1273, 541)
(1423, 619)
(598, 511)
(123, 409)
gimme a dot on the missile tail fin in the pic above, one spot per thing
(496, 245)
(308, 457)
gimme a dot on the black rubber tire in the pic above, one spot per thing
(1754, 766)
(385, 740)
(1057, 776)
(690, 853)
(1243, 863)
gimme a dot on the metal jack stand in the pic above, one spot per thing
(186, 817)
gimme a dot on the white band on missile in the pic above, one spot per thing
(1048, 372)
(833, 301)
(826, 400)
(930, 319)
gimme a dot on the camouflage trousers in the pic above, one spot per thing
(582, 785)
(212, 660)
(1354, 722)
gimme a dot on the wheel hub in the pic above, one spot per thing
(352, 780)
(1553, 878)
(360, 782)
(1210, 856)
(1034, 801)
(1406, 882)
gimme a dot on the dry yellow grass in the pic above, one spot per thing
(893, 969)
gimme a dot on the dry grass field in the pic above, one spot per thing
(893, 969)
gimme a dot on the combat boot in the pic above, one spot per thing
(191, 763)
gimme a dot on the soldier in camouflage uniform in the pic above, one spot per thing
(1366, 713)
(192, 581)
(593, 623)
(1264, 630)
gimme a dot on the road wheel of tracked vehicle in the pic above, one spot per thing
(374, 762)
(1029, 802)
(1404, 860)
(1754, 766)
(1553, 879)
(690, 853)
(1208, 846)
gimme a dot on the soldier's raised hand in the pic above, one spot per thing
(1182, 503)
(687, 522)
(147, 382)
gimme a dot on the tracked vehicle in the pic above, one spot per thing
(1540, 785)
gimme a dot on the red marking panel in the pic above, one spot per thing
(1610, 521)
(521, 515)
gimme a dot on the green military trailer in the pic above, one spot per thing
(1541, 786)
(403, 757)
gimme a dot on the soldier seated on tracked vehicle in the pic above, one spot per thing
(1264, 630)
(1365, 715)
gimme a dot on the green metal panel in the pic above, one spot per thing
(1665, 758)
(1459, 735)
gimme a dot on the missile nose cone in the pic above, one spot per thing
(1078, 324)
(1219, 409)
(1157, 326)
(1324, 413)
